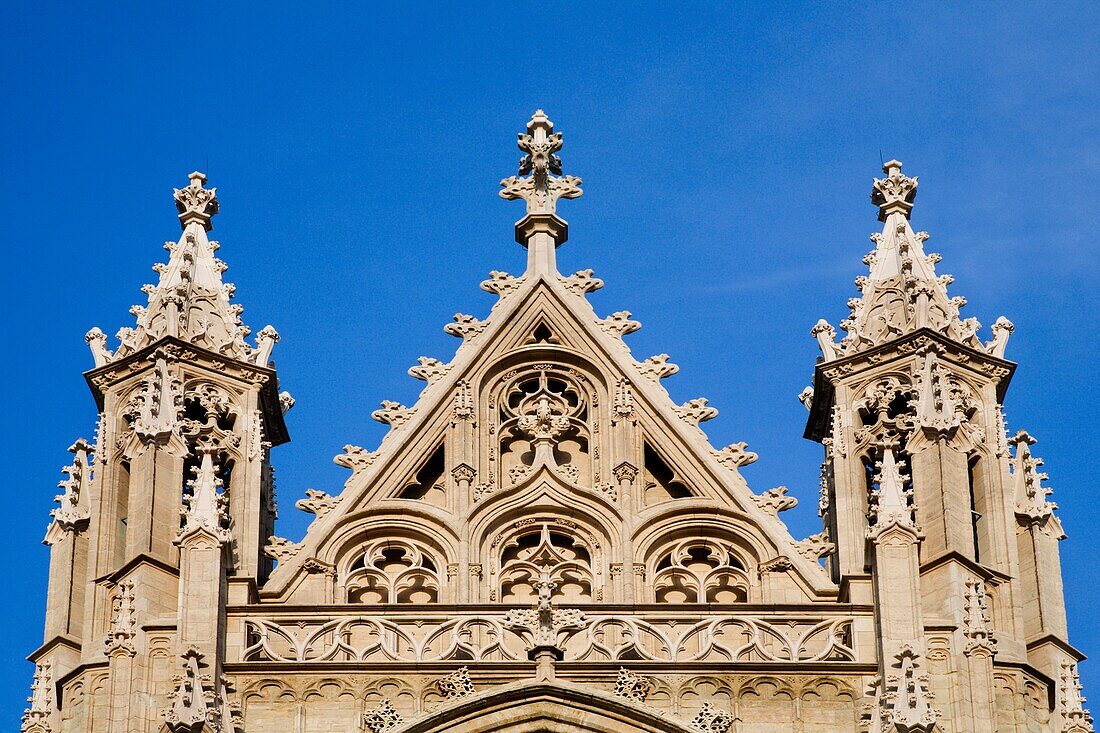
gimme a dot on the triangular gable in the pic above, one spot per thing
(534, 314)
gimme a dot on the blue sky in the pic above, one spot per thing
(727, 157)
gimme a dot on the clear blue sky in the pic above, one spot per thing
(727, 158)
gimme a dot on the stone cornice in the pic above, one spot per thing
(827, 374)
(102, 378)
(60, 640)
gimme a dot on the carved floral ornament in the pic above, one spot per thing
(540, 189)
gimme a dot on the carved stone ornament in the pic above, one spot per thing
(465, 326)
(501, 283)
(775, 500)
(1075, 718)
(1032, 505)
(317, 502)
(633, 686)
(976, 620)
(356, 458)
(905, 703)
(657, 367)
(37, 717)
(392, 413)
(204, 507)
(158, 406)
(74, 508)
(544, 621)
(194, 702)
(456, 685)
(383, 718)
(540, 190)
(120, 637)
(582, 282)
(281, 549)
(815, 546)
(735, 455)
(891, 502)
(429, 370)
(710, 719)
(696, 411)
(619, 324)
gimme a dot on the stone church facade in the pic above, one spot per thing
(545, 541)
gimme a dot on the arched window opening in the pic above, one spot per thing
(696, 571)
(393, 571)
(543, 550)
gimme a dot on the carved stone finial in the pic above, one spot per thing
(97, 342)
(1071, 703)
(36, 718)
(895, 193)
(735, 455)
(1032, 506)
(120, 638)
(976, 620)
(1002, 329)
(265, 343)
(891, 500)
(195, 203)
(774, 501)
(905, 704)
(540, 190)
(204, 508)
(318, 502)
(544, 620)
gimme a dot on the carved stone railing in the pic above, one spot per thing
(792, 638)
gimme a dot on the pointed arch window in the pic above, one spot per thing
(563, 557)
(393, 571)
(697, 571)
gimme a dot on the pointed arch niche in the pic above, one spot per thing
(543, 408)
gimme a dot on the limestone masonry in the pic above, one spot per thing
(545, 541)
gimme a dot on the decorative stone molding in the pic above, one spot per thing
(465, 326)
(383, 718)
(317, 502)
(710, 719)
(120, 637)
(581, 282)
(456, 685)
(633, 686)
(735, 456)
(774, 501)
(619, 324)
(657, 367)
(501, 283)
(779, 564)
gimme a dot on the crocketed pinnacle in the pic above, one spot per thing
(902, 292)
(189, 301)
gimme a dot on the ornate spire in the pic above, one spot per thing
(36, 718)
(189, 301)
(902, 291)
(541, 230)
(74, 510)
(1075, 718)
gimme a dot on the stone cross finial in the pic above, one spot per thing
(540, 190)
(195, 203)
(895, 193)
(541, 230)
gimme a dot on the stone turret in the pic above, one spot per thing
(186, 405)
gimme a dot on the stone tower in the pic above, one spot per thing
(545, 540)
